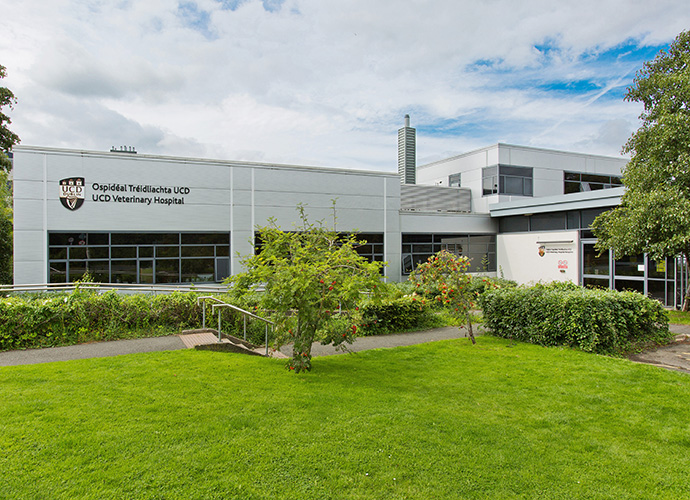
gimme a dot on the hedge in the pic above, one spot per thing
(397, 315)
(600, 321)
(50, 319)
(47, 320)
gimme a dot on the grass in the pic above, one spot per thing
(678, 317)
(443, 420)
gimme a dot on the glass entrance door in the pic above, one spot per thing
(596, 269)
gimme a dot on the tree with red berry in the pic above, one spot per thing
(313, 279)
(445, 276)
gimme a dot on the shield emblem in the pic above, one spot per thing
(72, 192)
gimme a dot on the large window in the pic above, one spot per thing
(418, 247)
(639, 273)
(576, 182)
(506, 179)
(370, 246)
(139, 257)
(372, 249)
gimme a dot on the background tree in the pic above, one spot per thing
(309, 275)
(654, 214)
(7, 140)
(6, 241)
(7, 137)
(445, 276)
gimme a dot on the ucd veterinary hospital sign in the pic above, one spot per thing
(72, 193)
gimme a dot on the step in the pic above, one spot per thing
(207, 339)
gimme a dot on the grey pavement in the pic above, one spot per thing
(675, 356)
(173, 342)
(680, 329)
(385, 341)
(90, 350)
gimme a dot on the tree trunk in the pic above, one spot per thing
(686, 300)
(469, 326)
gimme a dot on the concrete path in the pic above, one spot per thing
(385, 341)
(173, 342)
(91, 350)
(675, 356)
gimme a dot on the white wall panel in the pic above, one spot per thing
(28, 214)
(32, 165)
(30, 259)
(520, 258)
(29, 272)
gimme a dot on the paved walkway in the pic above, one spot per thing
(385, 341)
(91, 350)
(675, 356)
(173, 342)
(672, 357)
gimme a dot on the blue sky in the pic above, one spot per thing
(328, 83)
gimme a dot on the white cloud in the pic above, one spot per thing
(327, 83)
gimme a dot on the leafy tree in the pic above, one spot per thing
(445, 276)
(7, 137)
(6, 242)
(309, 275)
(654, 215)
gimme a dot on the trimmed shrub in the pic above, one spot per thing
(47, 320)
(397, 315)
(480, 284)
(600, 321)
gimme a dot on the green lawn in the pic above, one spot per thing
(438, 421)
(679, 317)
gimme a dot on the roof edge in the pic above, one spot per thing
(187, 159)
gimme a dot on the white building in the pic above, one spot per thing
(519, 212)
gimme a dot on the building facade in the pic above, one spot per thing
(518, 212)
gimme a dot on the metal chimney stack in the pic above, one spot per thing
(407, 154)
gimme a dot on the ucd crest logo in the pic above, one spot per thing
(72, 192)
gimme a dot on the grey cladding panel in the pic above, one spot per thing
(28, 214)
(290, 200)
(27, 166)
(27, 190)
(327, 183)
(347, 220)
(435, 199)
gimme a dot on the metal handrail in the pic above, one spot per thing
(220, 303)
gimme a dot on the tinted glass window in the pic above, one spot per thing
(548, 222)
(514, 224)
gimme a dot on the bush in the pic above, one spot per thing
(397, 315)
(46, 320)
(477, 285)
(601, 321)
(480, 284)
